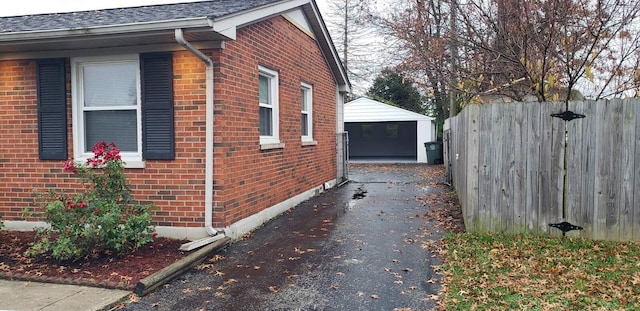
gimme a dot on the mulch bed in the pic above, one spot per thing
(121, 272)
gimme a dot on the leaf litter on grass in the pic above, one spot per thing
(528, 272)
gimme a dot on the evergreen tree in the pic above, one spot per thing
(392, 88)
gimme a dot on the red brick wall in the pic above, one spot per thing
(19, 172)
(247, 180)
(176, 187)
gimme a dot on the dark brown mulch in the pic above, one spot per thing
(122, 272)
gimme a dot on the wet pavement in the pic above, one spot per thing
(363, 246)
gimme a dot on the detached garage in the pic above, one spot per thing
(378, 131)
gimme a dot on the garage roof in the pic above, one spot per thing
(369, 110)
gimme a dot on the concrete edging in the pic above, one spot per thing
(163, 276)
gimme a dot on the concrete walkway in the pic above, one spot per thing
(24, 295)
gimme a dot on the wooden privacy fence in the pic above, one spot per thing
(508, 165)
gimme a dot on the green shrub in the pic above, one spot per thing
(104, 218)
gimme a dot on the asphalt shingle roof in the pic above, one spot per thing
(131, 15)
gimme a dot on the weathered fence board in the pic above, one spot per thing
(627, 145)
(532, 185)
(573, 190)
(552, 160)
(579, 192)
(508, 165)
(520, 165)
(485, 204)
(635, 221)
(498, 207)
(473, 143)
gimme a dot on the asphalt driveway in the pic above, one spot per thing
(363, 246)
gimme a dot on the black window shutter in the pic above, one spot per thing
(157, 106)
(52, 109)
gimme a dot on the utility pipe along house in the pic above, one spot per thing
(227, 112)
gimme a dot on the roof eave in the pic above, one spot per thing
(123, 29)
(222, 28)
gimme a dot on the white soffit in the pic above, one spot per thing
(297, 18)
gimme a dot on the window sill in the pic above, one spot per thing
(128, 163)
(134, 164)
(309, 143)
(271, 146)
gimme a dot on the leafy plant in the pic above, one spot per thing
(103, 218)
(1, 223)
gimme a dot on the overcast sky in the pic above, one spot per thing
(26, 7)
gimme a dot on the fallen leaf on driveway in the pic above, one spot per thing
(133, 298)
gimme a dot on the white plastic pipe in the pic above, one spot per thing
(208, 184)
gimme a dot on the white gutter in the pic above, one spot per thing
(208, 184)
(120, 30)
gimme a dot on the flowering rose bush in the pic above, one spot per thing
(104, 218)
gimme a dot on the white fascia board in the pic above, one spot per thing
(199, 22)
(228, 25)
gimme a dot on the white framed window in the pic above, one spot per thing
(106, 106)
(307, 112)
(269, 112)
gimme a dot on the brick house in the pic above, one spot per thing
(227, 112)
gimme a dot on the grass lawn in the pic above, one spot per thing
(526, 272)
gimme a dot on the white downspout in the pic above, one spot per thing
(208, 184)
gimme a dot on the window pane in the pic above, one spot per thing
(112, 126)
(305, 128)
(266, 121)
(367, 130)
(304, 100)
(264, 90)
(392, 130)
(110, 84)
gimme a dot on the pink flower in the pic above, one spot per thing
(154, 234)
(97, 210)
(98, 148)
(113, 154)
(70, 167)
(71, 205)
(94, 162)
(81, 204)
